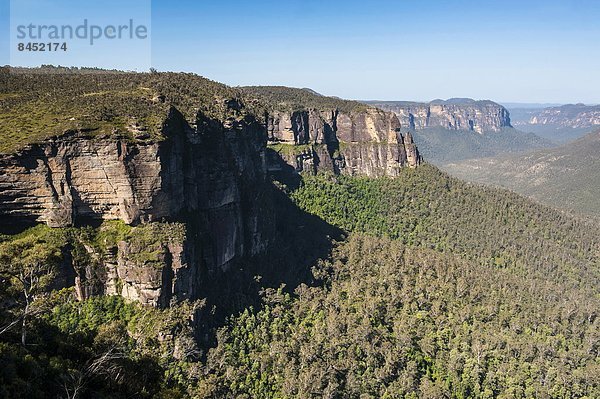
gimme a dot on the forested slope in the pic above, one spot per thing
(567, 177)
(436, 289)
(455, 291)
(442, 146)
(398, 322)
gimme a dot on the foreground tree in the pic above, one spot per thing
(28, 266)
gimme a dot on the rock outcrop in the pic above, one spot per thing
(571, 115)
(155, 264)
(365, 142)
(453, 114)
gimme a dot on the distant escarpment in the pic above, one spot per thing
(571, 115)
(315, 133)
(453, 114)
(461, 128)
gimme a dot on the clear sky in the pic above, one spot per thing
(508, 51)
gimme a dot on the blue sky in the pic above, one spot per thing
(517, 51)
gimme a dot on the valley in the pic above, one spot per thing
(565, 177)
(299, 199)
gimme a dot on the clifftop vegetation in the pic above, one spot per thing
(39, 103)
(281, 98)
(450, 101)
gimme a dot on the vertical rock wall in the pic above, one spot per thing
(362, 143)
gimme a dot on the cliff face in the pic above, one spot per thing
(155, 264)
(457, 114)
(210, 177)
(365, 142)
(572, 115)
(69, 179)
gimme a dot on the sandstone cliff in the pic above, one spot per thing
(571, 115)
(210, 177)
(453, 114)
(153, 263)
(367, 143)
(197, 161)
(319, 133)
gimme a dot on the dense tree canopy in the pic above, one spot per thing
(397, 322)
(478, 293)
(436, 289)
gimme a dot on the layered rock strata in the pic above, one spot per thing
(457, 114)
(212, 176)
(571, 115)
(366, 143)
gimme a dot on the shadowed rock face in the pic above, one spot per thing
(71, 180)
(360, 143)
(458, 114)
(211, 177)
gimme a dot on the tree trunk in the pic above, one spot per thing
(24, 325)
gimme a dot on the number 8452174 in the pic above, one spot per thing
(42, 46)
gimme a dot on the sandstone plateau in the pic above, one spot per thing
(453, 114)
(571, 115)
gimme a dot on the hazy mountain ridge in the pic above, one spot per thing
(567, 177)
(570, 115)
(523, 114)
